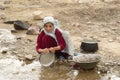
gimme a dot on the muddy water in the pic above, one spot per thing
(13, 69)
(65, 72)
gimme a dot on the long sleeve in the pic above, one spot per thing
(39, 41)
(60, 39)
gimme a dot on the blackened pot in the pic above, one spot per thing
(89, 46)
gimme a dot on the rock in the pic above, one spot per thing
(118, 39)
(2, 16)
(29, 57)
(19, 38)
(76, 24)
(103, 35)
(110, 40)
(19, 25)
(7, 1)
(118, 21)
(33, 30)
(90, 23)
(2, 7)
(29, 40)
(9, 22)
(14, 52)
(13, 31)
(4, 51)
(39, 15)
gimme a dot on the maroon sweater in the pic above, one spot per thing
(59, 37)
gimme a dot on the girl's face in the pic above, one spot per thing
(49, 27)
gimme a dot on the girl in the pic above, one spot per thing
(50, 39)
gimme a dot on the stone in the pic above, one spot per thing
(39, 15)
(29, 57)
(2, 16)
(103, 35)
(118, 21)
(33, 30)
(29, 40)
(110, 40)
(14, 52)
(20, 25)
(13, 31)
(2, 7)
(4, 51)
(19, 38)
(7, 1)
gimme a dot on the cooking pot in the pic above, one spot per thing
(89, 45)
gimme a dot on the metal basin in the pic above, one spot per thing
(88, 66)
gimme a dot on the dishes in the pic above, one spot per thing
(46, 59)
(86, 61)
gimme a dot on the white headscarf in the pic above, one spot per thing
(50, 19)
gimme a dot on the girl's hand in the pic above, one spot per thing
(46, 50)
(52, 49)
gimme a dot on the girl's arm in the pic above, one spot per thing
(39, 41)
(60, 40)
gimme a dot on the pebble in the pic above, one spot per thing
(2, 7)
(7, 1)
(110, 40)
(4, 52)
(29, 57)
(14, 31)
(2, 16)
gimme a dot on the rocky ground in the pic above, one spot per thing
(94, 19)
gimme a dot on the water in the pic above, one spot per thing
(13, 69)
(65, 72)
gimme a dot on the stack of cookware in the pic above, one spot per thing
(88, 47)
